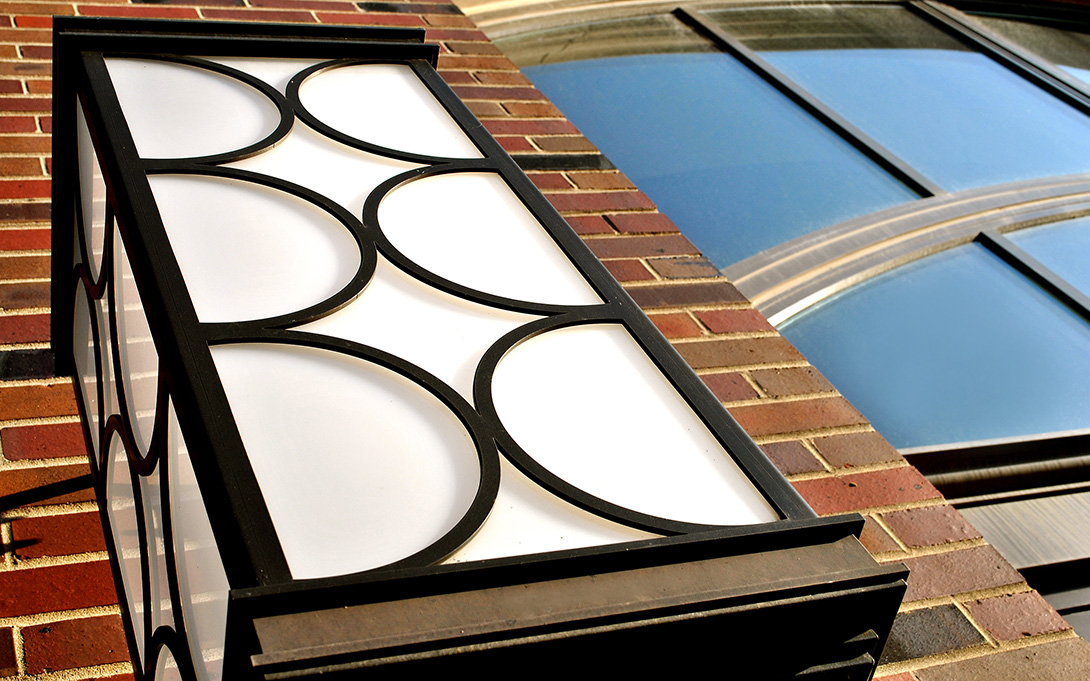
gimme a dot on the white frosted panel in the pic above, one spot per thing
(166, 669)
(126, 534)
(526, 519)
(84, 350)
(405, 317)
(358, 466)
(387, 105)
(202, 582)
(249, 252)
(138, 361)
(92, 189)
(179, 111)
(275, 72)
(472, 229)
(161, 610)
(588, 404)
(341, 173)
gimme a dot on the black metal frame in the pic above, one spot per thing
(246, 540)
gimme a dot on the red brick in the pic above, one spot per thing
(734, 321)
(1065, 660)
(17, 296)
(565, 143)
(589, 224)
(876, 539)
(35, 22)
(730, 387)
(39, 87)
(530, 109)
(30, 401)
(791, 381)
(25, 267)
(8, 87)
(628, 270)
(466, 36)
(24, 189)
(545, 181)
(36, 52)
(480, 47)
(856, 449)
(24, 239)
(9, 663)
(496, 93)
(737, 352)
(456, 61)
(47, 124)
(20, 166)
(17, 480)
(639, 246)
(25, 144)
(792, 458)
(674, 295)
(930, 526)
(956, 572)
(30, 328)
(600, 202)
(18, 124)
(258, 15)
(676, 325)
(464, 77)
(58, 535)
(502, 78)
(1016, 616)
(24, 68)
(530, 126)
(642, 223)
(860, 491)
(603, 180)
(357, 18)
(790, 417)
(49, 441)
(684, 268)
(60, 587)
(22, 36)
(156, 11)
(43, 104)
(512, 144)
(69, 644)
(321, 5)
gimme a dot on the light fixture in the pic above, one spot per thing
(356, 396)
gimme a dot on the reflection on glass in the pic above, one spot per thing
(735, 164)
(1063, 247)
(952, 348)
(959, 117)
(1067, 48)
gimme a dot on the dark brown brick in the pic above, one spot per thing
(33, 485)
(930, 526)
(791, 381)
(69, 644)
(514, 145)
(800, 415)
(31, 401)
(684, 268)
(465, 77)
(484, 109)
(958, 571)
(9, 663)
(24, 328)
(1066, 660)
(51, 441)
(737, 352)
(628, 270)
(528, 126)
(546, 181)
(58, 535)
(931, 631)
(58, 587)
(25, 267)
(792, 457)
(729, 387)
(734, 321)
(856, 449)
(860, 491)
(639, 246)
(1016, 616)
(676, 325)
(568, 143)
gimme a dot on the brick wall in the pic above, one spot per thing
(968, 614)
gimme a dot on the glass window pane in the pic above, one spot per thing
(1063, 247)
(952, 348)
(733, 162)
(956, 115)
(1068, 49)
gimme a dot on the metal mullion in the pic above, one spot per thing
(870, 147)
(1034, 68)
(1036, 271)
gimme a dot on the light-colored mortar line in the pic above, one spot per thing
(57, 561)
(20, 650)
(783, 399)
(808, 443)
(814, 432)
(23, 383)
(965, 597)
(8, 540)
(23, 253)
(24, 311)
(33, 280)
(40, 421)
(732, 335)
(902, 506)
(25, 464)
(49, 510)
(752, 382)
(718, 369)
(880, 521)
(82, 674)
(23, 346)
(964, 609)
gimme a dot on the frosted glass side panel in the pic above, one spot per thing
(403, 316)
(527, 519)
(166, 669)
(359, 467)
(92, 190)
(1063, 247)
(341, 173)
(956, 347)
(139, 364)
(181, 111)
(470, 228)
(125, 533)
(202, 582)
(84, 349)
(587, 404)
(387, 105)
(162, 613)
(249, 252)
